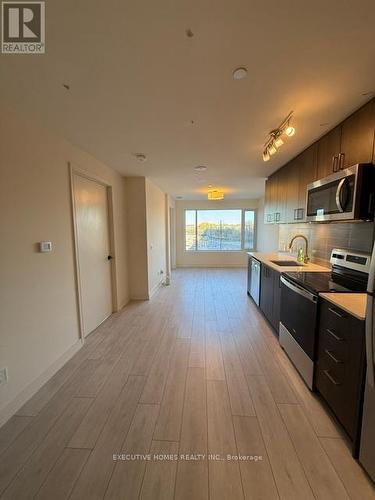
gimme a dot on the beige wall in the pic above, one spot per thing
(38, 313)
(156, 235)
(137, 237)
(207, 259)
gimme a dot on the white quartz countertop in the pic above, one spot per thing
(266, 258)
(353, 303)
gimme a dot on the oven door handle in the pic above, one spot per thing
(297, 289)
(338, 194)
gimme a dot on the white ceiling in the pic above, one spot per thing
(137, 82)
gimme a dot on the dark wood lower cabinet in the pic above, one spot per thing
(270, 295)
(340, 368)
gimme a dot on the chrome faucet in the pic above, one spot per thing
(306, 257)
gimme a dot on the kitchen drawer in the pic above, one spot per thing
(339, 397)
(336, 320)
(334, 342)
(334, 365)
(340, 365)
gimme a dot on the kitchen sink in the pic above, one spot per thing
(286, 263)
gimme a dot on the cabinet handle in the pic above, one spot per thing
(336, 337)
(334, 163)
(332, 356)
(329, 376)
(277, 216)
(341, 161)
(335, 312)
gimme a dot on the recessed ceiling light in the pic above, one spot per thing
(140, 157)
(239, 73)
(200, 168)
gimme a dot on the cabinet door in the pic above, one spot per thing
(357, 139)
(276, 301)
(267, 201)
(266, 292)
(281, 198)
(307, 174)
(328, 153)
(292, 190)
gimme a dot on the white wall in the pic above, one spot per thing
(38, 312)
(156, 235)
(207, 259)
(268, 234)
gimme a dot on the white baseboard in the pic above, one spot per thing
(11, 408)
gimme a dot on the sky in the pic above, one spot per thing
(214, 216)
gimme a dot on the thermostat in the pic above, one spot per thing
(45, 246)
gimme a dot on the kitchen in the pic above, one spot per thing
(319, 298)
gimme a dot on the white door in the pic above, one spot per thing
(91, 215)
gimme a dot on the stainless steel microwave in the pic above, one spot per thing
(345, 195)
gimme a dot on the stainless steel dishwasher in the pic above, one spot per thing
(255, 280)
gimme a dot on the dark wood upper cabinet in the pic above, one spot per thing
(281, 198)
(292, 190)
(349, 143)
(307, 173)
(328, 153)
(357, 136)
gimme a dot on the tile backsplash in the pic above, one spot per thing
(323, 238)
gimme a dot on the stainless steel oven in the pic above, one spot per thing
(345, 195)
(299, 308)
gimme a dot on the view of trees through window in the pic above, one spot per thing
(219, 230)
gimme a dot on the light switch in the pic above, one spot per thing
(45, 246)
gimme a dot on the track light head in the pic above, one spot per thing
(290, 131)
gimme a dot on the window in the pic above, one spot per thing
(219, 230)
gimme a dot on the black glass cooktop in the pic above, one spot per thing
(318, 282)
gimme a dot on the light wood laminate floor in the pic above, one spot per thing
(194, 374)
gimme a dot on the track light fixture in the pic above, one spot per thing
(277, 136)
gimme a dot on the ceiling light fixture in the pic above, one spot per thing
(276, 137)
(290, 131)
(140, 157)
(200, 168)
(272, 149)
(266, 155)
(215, 194)
(239, 73)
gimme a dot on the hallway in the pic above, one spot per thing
(195, 374)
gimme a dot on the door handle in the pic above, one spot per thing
(341, 161)
(332, 356)
(109, 257)
(335, 312)
(334, 163)
(329, 376)
(338, 194)
(336, 337)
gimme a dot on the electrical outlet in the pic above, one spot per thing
(3, 376)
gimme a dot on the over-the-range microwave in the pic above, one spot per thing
(345, 195)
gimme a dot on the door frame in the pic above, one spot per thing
(75, 170)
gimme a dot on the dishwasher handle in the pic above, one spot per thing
(298, 289)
